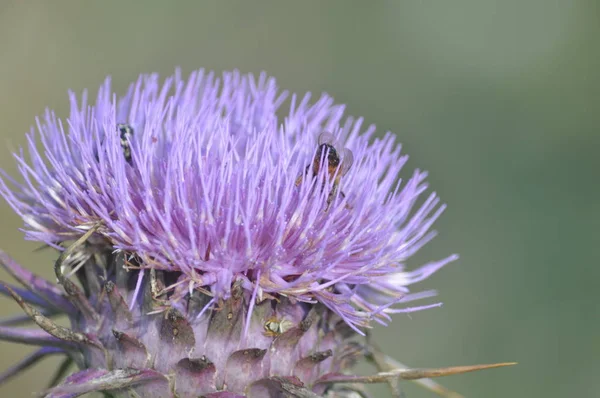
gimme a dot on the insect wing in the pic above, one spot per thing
(326, 138)
(347, 161)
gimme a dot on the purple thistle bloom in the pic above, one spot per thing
(204, 182)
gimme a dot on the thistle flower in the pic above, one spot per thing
(209, 246)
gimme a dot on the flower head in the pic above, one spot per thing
(227, 195)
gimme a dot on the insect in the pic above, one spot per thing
(275, 327)
(337, 166)
(126, 133)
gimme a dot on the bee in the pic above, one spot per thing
(328, 155)
(126, 133)
(275, 327)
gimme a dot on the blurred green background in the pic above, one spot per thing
(498, 100)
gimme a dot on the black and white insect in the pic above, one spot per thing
(126, 133)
